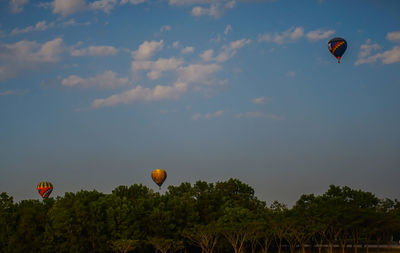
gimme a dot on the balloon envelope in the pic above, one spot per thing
(337, 46)
(159, 176)
(44, 189)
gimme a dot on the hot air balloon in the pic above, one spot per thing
(337, 46)
(45, 189)
(159, 176)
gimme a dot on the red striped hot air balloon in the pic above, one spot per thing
(44, 189)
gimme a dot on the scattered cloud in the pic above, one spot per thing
(187, 50)
(40, 26)
(175, 44)
(107, 80)
(156, 67)
(209, 115)
(165, 28)
(13, 92)
(24, 55)
(387, 57)
(207, 55)
(147, 49)
(103, 5)
(231, 49)
(228, 51)
(216, 9)
(133, 2)
(319, 34)
(258, 115)
(95, 51)
(260, 100)
(17, 6)
(228, 29)
(291, 74)
(393, 36)
(291, 35)
(140, 93)
(198, 73)
(68, 7)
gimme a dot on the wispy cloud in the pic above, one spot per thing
(106, 80)
(288, 36)
(40, 26)
(133, 2)
(103, 5)
(291, 74)
(165, 28)
(18, 5)
(228, 51)
(95, 51)
(319, 34)
(258, 115)
(208, 115)
(216, 9)
(228, 29)
(24, 55)
(366, 54)
(187, 50)
(140, 93)
(13, 92)
(260, 100)
(68, 7)
(156, 68)
(147, 49)
(393, 36)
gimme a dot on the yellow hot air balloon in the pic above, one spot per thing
(159, 176)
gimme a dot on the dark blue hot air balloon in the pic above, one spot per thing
(337, 46)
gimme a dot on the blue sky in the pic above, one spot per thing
(96, 94)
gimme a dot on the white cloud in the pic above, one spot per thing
(25, 55)
(134, 2)
(175, 44)
(156, 67)
(365, 54)
(231, 49)
(13, 92)
(95, 51)
(390, 56)
(187, 50)
(258, 115)
(103, 5)
(72, 22)
(215, 9)
(140, 93)
(319, 34)
(260, 100)
(198, 73)
(291, 74)
(207, 55)
(147, 49)
(228, 51)
(67, 7)
(107, 80)
(209, 115)
(291, 35)
(40, 26)
(393, 36)
(17, 5)
(387, 57)
(228, 29)
(165, 28)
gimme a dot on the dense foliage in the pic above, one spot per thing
(204, 217)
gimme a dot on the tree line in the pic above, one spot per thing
(203, 217)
